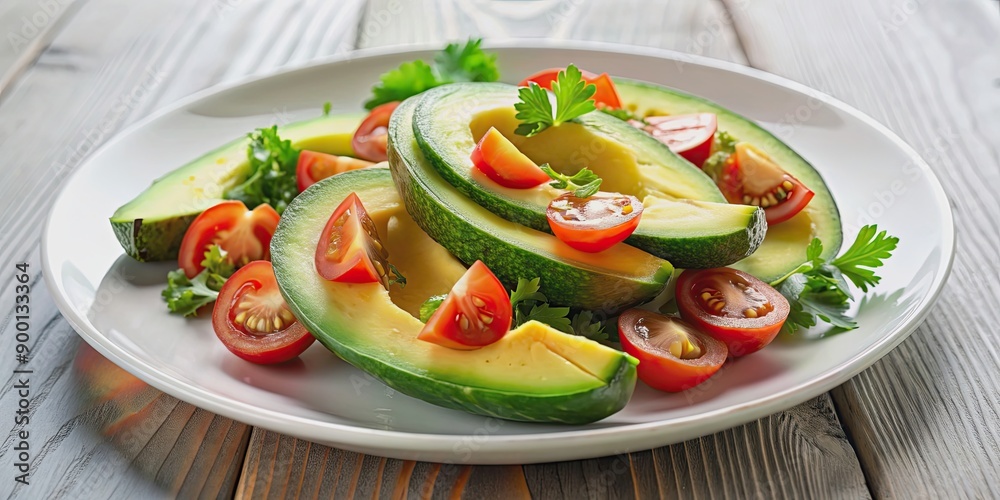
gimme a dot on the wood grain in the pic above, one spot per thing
(95, 431)
(799, 453)
(925, 419)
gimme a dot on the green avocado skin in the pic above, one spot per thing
(579, 407)
(153, 242)
(565, 284)
(726, 248)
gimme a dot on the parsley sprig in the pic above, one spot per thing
(573, 99)
(584, 183)
(185, 296)
(819, 288)
(272, 171)
(456, 63)
(723, 146)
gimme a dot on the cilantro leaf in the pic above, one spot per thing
(556, 317)
(584, 183)
(527, 290)
(431, 305)
(272, 172)
(185, 296)
(868, 251)
(573, 98)
(584, 325)
(819, 289)
(468, 63)
(409, 79)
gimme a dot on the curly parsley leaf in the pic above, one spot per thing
(819, 289)
(573, 99)
(465, 63)
(185, 296)
(584, 183)
(272, 172)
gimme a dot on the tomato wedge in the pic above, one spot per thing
(605, 96)
(731, 306)
(690, 136)
(253, 320)
(244, 234)
(314, 167)
(673, 355)
(476, 313)
(370, 141)
(500, 160)
(596, 223)
(349, 249)
(750, 177)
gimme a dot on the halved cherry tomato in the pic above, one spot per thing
(500, 160)
(476, 313)
(314, 167)
(253, 320)
(731, 306)
(750, 177)
(606, 95)
(596, 223)
(349, 249)
(673, 355)
(690, 136)
(244, 234)
(370, 141)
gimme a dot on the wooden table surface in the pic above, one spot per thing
(924, 422)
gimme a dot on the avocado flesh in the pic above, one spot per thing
(784, 247)
(152, 225)
(534, 373)
(451, 119)
(609, 281)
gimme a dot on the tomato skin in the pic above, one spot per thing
(750, 166)
(690, 136)
(257, 278)
(743, 335)
(370, 141)
(660, 369)
(593, 235)
(244, 234)
(500, 160)
(477, 296)
(605, 96)
(314, 167)
(359, 253)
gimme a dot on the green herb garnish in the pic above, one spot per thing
(584, 183)
(723, 146)
(185, 296)
(465, 63)
(430, 305)
(573, 99)
(819, 288)
(530, 303)
(272, 172)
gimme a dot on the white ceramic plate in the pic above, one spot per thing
(114, 302)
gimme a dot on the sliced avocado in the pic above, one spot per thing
(608, 281)
(784, 248)
(534, 373)
(152, 225)
(449, 120)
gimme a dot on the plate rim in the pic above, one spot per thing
(443, 447)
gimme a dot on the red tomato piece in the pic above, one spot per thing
(596, 223)
(349, 249)
(673, 356)
(314, 167)
(500, 160)
(605, 96)
(690, 136)
(253, 320)
(370, 141)
(244, 234)
(750, 177)
(731, 306)
(476, 313)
